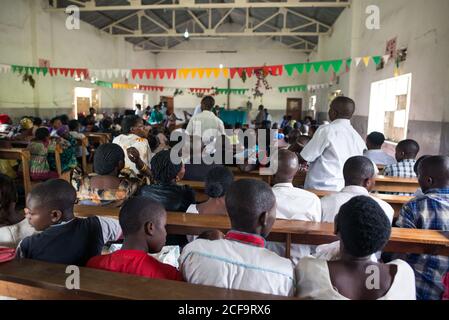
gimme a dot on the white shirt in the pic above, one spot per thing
(139, 113)
(141, 144)
(314, 282)
(330, 205)
(197, 110)
(327, 153)
(379, 157)
(10, 236)
(295, 204)
(208, 126)
(234, 265)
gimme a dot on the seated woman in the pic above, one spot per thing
(363, 229)
(26, 130)
(38, 148)
(217, 182)
(105, 187)
(69, 147)
(13, 225)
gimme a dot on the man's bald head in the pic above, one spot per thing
(359, 171)
(433, 173)
(341, 108)
(288, 166)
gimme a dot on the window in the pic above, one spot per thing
(389, 107)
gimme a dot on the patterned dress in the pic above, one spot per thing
(39, 166)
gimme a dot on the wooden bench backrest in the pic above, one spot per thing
(32, 279)
(22, 155)
(83, 144)
(395, 184)
(292, 231)
(99, 137)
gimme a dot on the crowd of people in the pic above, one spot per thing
(136, 172)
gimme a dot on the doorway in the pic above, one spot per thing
(294, 108)
(85, 98)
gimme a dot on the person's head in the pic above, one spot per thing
(217, 182)
(90, 120)
(261, 107)
(64, 119)
(275, 126)
(138, 107)
(418, 162)
(144, 220)
(207, 103)
(8, 197)
(308, 119)
(74, 125)
(293, 136)
(251, 206)
(49, 203)
(375, 140)
(26, 124)
(303, 140)
(297, 125)
(42, 134)
(92, 111)
(56, 123)
(407, 149)
(341, 108)
(37, 122)
(106, 123)
(288, 166)
(359, 171)
(63, 131)
(133, 124)
(362, 226)
(164, 170)
(433, 173)
(109, 159)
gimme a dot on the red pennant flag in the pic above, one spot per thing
(276, 70)
(161, 73)
(233, 71)
(249, 71)
(137, 72)
(161, 89)
(63, 71)
(171, 73)
(53, 71)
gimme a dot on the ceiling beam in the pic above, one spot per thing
(247, 33)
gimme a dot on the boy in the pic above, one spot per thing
(374, 142)
(429, 211)
(406, 152)
(240, 261)
(143, 223)
(293, 203)
(64, 238)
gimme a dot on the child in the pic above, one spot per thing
(74, 127)
(39, 166)
(13, 225)
(374, 142)
(143, 223)
(429, 211)
(406, 152)
(240, 261)
(64, 238)
(363, 229)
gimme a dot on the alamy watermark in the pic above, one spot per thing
(72, 22)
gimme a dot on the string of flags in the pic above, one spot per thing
(186, 73)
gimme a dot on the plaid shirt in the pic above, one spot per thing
(429, 211)
(403, 169)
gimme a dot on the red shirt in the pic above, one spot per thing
(135, 262)
(446, 286)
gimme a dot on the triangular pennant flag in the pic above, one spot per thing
(94, 72)
(64, 71)
(116, 72)
(377, 59)
(153, 73)
(137, 72)
(216, 72)
(336, 65)
(183, 73)
(109, 72)
(200, 73)
(209, 72)
(326, 65)
(290, 68)
(308, 67)
(366, 60)
(249, 71)
(357, 61)
(386, 58)
(348, 62)
(317, 66)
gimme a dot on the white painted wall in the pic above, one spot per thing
(28, 33)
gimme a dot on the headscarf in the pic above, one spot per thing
(26, 123)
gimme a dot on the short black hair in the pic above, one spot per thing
(377, 139)
(208, 102)
(363, 226)
(107, 157)
(64, 119)
(55, 194)
(137, 211)
(357, 169)
(128, 122)
(217, 182)
(8, 193)
(37, 121)
(106, 123)
(409, 147)
(74, 125)
(246, 200)
(54, 119)
(162, 168)
(418, 162)
(41, 134)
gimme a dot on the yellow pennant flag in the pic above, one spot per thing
(226, 73)
(208, 72)
(216, 72)
(200, 73)
(183, 73)
(366, 60)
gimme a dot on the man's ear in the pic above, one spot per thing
(263, 219)
(336, 231)
(149, 228)
(56, 216)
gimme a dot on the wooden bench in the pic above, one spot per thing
(22, 155)
(98, 137)
(83, 144)
(292, 231)
(395, 184)
(32, 279)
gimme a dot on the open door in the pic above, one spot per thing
(294, 108)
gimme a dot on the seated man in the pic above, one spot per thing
(429, 211)
(293, 203)
(406, 152)
(143, 223)
(374, 142)
(240, 261)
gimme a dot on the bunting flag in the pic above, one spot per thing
(27, 69)
(103, 84)
(357, 61)
(366, 60)
(386, 58)
(377, 60)
(153, 73)
(150, 88)
(4, 68)
(293, 88)
(229, 91)
(125, 86)
(200, 90)
(290, 68)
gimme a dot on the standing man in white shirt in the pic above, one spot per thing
(292, 203)
(139, 112)
(331, 146)
(374, 142)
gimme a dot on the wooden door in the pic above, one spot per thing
(294, 108)
(169, 103)
(82, 105)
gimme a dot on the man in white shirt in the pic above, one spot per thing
(139, 112)
(360, 175)
(374, 142)
(292, 203)
(331, 146)
(240, 261)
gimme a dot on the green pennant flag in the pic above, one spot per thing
(316, 66)
(308, 67)
(104, 84)
(377, 59)
(300, 68)
(336, 65)
(16, 68)
(326, 65)
(290, 68)
(303, 88)
(31, 69)
(44, 71)
(348, 62)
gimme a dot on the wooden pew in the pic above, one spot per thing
(32, 279)
(395, 184)
(22, 155)
(83, 144)
(98, 137)
(291, 231)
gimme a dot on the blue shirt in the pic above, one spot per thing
(428, 211)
